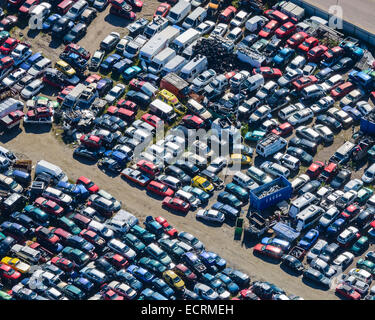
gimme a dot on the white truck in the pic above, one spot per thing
(251, 57)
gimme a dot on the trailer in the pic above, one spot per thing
(367, 124)
(270, 194)
(249, 56)
(175, 84)
(286, 232)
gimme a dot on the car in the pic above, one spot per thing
(76, 33)
(292, 263)
(124, 12)
(316, 276)
(269, 29)
(210, 215)
(32, 89)
(348, 236)
(347, 291)
(268, 250)
(162, 10)
(296, 39)
(360, 245)
(190, 240)
(176, 204)
(309, 239)
(285, 30)
(300, 154)
(115, 93)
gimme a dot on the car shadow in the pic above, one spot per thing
(290, 271)
(209, 223)
(116, 21)
(37, 128)
(314, 285)
(266, 258)
(85, 161)
(175, 212)
(9, 135)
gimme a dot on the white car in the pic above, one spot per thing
(297, 63)
(20, 53)
(308, 133)
(316, 250)
(274, 169)
(351, 98)
(369, 175)
(205, 292)
(239, 19)
(13, 78)
(205, 27)
(358, 285)
(32, 89)
(202, 80)
(210, 215)
(96, 60)
(220, 30)
(217, 165)
(289, 77)
(121, 248)
(354, 184)
(235, 35)
(300, 181)
(364, 107)
(122, 43)
(325, 133)
(347, 235)
(116, 92)
(268, 89)
(361, 274)
(322, 266)
(344, 260)
(260, 114)
(323, 104)
(41, 10)
(110, 41)
(37, 69)
(332, 82)
(300, 117)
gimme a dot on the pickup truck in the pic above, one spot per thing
(11, 120)
(39, 115)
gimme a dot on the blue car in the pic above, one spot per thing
(161, 286)
(232, 287)
(49, 22)
(131, 72)
(284, 244)
(120, 66)
(84, 284)
(214, 259)
(140, 273)
(36, 57)
(309, 239)
(230, 212)
(216, 284)
(129, 279)
(199, 193)
(108, 63)
(336, 227)
(74, 190)
(283, 56)
(353, 112)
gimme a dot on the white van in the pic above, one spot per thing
(244, 181)
(162, 110)
(255, 23)
(195, 18)
(142, 135)
(179, 12)
(254, 82)
(44, 166)
(308, 216)
(196, 108)
(184, 40)
(161, 59)
(188, 197)
(194, 67)
(72, 97)
(174, 65)
(26, 253)
(270, 145)
(301, 203)
(275, 169)
(7, 154)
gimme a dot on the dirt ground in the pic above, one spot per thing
(37, 144)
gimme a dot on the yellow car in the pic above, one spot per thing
(214, 4)
(203, 184)
(16, 264)
(173, 280)
(169, 98)
(65, 68)
(238, 157)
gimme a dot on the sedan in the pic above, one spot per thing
(115, 93)
(211, 215)
(176, 204)
(32, 89)
(268, 250)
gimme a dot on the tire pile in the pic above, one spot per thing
(219, 59)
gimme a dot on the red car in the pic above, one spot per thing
(6, 63)
(347, 291)
(285, 30)
(351, 211)
(160, 189)
(88, 184)
(308, 44)
(61, 96)
(125, 13)
(268, 29)
(316, 53)
(94, 78)
(283, 129)
(342, 90)
(127, 104)
(136, 4)
(296, 39)
(268, 250)
(40, 113)
(176, 204)
(136, 84)
(8, 23)
(117, 260)
(192, 121)
(7, 273)
(9, 45)
(49, 206)
(162, 9)
(27, 6)
(91, 141)
(153, 120)
(46, 235)
(268, 72)
(304, 82)
(75, 48)
(185, 273)
(227, 14)
(277, 15)
(92, 237)
(333, 54)
(168, 229)
(63, 263)
(315, 169)
(148, 167)
(329, 172)
(111, 295)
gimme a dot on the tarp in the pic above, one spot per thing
(286, 232)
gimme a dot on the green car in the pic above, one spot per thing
(228, 198)
(69, 225)
(371, 153)
(254, 136)
(171, 248)
(360, 245)
(199, 193)
(79, 257)
(159, 254)
(4, 35)
(363, 195)
(152, 265)
(42, 100)
(133, 242)
(37, 214)
(366, 265)
(5, 296)
(71, 291)
(259, 45)
(238, 191)
(142, 234)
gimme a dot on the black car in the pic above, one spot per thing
(341, 178)
(213, 178)
(62, 27)
(76, 33)
(139, 98)
(6, 244)
(300, 154)
(188, 167)
(330, 122)
(316, 276)
(364, 218)
(110, 123)
(103, 265)
(103, 86)
(176, 172)
(83, 152)
(309, 146)
(279, 98)
(311, 186)
(292, 263)
(240, 278)
(343, 64)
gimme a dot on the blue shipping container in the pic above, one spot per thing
(284, 193)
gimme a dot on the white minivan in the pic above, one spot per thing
(53, 170)
(179, 12)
